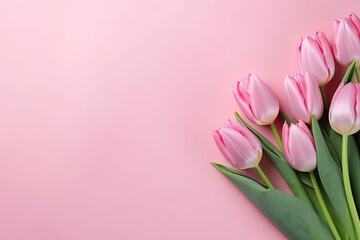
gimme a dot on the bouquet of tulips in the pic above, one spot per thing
(318, 153)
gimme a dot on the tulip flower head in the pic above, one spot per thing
(299, 146)
(256, 100)
(238, 145)
(316, 58)
(346, 44)
(303, 97)
(344, 113)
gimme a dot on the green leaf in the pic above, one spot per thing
(338, 223)
(331, 179)
(292, 216)
(285, 118)
(308, 186)
(349, 75)
(305, 178)
(335, 138)
(353, 157)
(354, 168)
(315, 202)
(330, 141)
(286, 171)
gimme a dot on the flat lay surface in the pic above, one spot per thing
(107, 109)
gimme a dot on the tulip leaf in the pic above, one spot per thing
(285, 118)
(353, 157)
(305, 178)
(315, 202)
(286, 171)
(330, 141)
(349, 75)
(357, 73)
(354, 168)
(308, 186)
(334, 137)
(337, 221)
(331, 179)
(292, 216)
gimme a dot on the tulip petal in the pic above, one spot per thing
(302, 150)
(256, 100)
(295, 99)
(263, 102)
(355, 20)
(328, 55)
(313, 97)
(285, 140)
(342, 114)
(356, 126)
(313, 61)
(238, 146)
(336, 25)
(299, 54)
(221, 145)
(346, 41)
(246, 133)
(306, 130)
(303, 97)
(242, 99)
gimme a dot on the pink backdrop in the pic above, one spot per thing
(107, 107)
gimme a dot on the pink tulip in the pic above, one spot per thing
(303, 97)
(315, 57)
(256, 100)
(346, 44)
(344, 113)
(299, 147)
(238, 145)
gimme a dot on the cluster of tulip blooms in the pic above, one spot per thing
(318, 153)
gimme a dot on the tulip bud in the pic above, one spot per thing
(346, 46)
(344, 113)
(299, 147)
(303, 97)
(315, 57)
(256, 100)
(238, 145)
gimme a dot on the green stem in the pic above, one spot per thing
(323, 94)
(323, 206)
(357, 72)
(348, 192)
(264, 177)
(277, 136)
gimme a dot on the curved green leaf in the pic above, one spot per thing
(285, 118)
(292, 216)
(335, 145)
(315, 202)
(330, 145)
(331, 179)
(354, 168)
(349, 75)
(333, 139)
(338, 223)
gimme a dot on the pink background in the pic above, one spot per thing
(107, 109)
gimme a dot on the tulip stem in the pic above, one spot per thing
(277, 136)
(264, 177)
(323, 94)
(323, 206)
(357, 72)
(347, 186)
